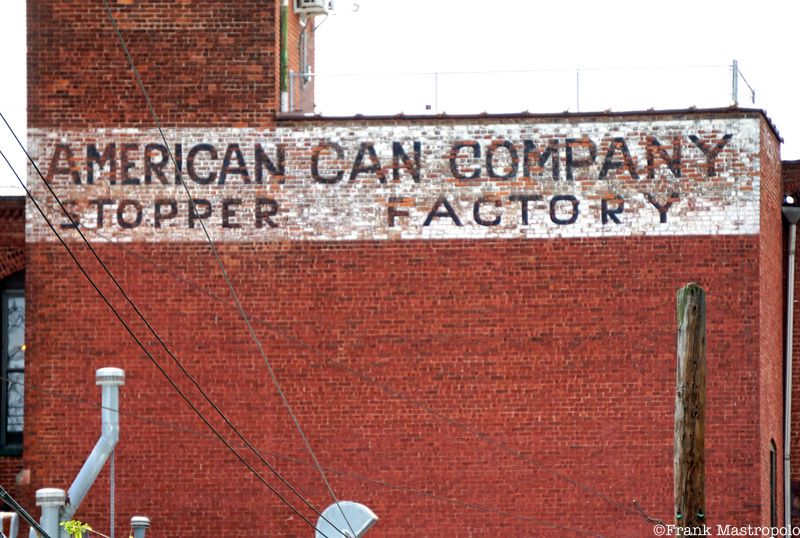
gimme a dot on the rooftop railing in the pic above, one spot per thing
(531, 90)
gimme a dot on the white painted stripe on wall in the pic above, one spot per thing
(724, 203)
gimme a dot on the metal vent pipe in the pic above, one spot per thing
(109, 380)
(139, 524)
(51, 500)
(792, 215)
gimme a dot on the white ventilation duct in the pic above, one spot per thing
(110, 380)
(139, 524)
(51, 500)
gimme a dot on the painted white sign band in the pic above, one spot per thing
(361, 181)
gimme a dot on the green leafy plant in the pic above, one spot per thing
(75, 528)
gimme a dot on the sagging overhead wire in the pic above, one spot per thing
(12, 502)
(149, 355)
(358, 373)
(75, 225)
(428, 494)
(462, 426)
(371, 381)
(221, 266)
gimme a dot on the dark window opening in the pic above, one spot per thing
(12, 388)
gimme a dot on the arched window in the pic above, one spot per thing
(12, 393)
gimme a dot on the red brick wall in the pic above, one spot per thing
(771, 330)
(203, 63)
(560, 349)
(791, 176)
(563, 350)
(12, 235)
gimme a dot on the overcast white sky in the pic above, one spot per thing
(550, 39)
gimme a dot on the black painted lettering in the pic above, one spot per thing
(151, 166)
(266, 208)
(614, 212)
(711, 153)
(454, 156)
(276, 169)
(63, 151)
(572, 162)
(412, 165)
(446, 212)
(554, 209)
(618, 144)
(122, 209)
(523, 199)
(191, 167)
(476, 211)
(75, 221)
(179, 161)
(198, 209)
(662, 208)
(374, 167)
(126, 164)
(160, 216)
(316, 152)
(654, 148)
(393, 208)
(235, 152)
(108, 158)
(534, 158)
(509, 172)
(101, 203)
(229, 212)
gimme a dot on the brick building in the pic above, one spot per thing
(472, 317)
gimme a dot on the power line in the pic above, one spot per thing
(222, 269)
(10, 501)
(348, 474)
(363, 376)
(310, 347)
(150, 356)
(152, 330)
(247, 443)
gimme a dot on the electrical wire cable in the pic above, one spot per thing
(347, 474)
(353, 371)
(363, 376)
(225, 275)
(10, 501)
(74, 224)
(462, 426)
(369, 380)
(150, 356)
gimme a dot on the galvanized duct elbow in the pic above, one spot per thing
(110, 380)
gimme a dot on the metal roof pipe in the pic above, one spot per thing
(51, 500)
(792, 215)
(140, 524)
(109, 379)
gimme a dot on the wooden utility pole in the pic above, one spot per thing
(690, 408)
